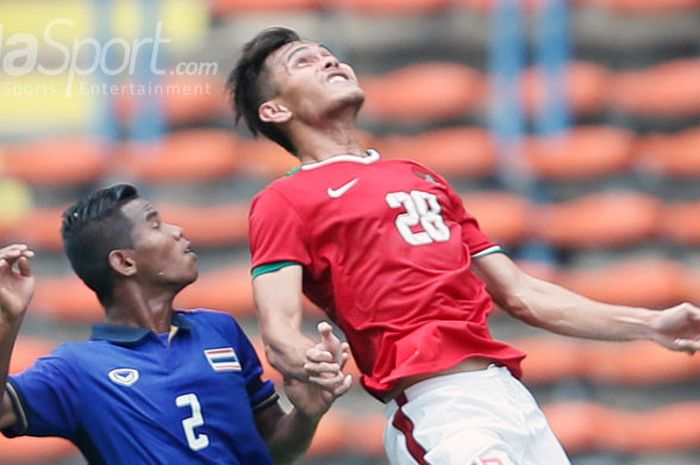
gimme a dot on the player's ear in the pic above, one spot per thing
(274, 112)
(122, 262)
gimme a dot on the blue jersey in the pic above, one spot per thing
(130, 396)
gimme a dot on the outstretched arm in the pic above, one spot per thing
(16, 290)
(559, 310)
(278, 301)
(288, 435)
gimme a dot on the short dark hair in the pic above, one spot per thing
(91, 229)
(249, 84)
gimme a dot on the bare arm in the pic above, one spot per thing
(288, 435)
(551, 307)
(16, 290)
(278, 300)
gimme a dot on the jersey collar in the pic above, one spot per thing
(371, 157)
(130, 335)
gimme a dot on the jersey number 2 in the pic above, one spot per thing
(194, 440)
(421, 208)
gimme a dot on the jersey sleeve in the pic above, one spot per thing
(261, 393)
(45, 398)
(479, 244)
(276, 232)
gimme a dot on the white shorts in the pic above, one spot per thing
(474, 418)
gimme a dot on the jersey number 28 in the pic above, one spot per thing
(421, 208)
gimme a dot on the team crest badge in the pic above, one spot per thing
(124, 376)
(425, 176)
(223, 359)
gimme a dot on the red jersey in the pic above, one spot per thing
(386, 247)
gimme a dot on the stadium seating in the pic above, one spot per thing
(599, 220)
(585, 88)
(40, 229)
(58, 162)
(184, 156)
(232, 7)
(505, 218)
(452, 152)
(644, 7)
(666, 90)
(423, 92)
(649, 282)
(187, 99)
(392, 7)
(226, 289)
(66, 298)
(585, 152)
(210, 225)
(680, 222)
(671, 155)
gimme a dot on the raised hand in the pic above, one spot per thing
(16, 280)
(678, 328)
(326, 379)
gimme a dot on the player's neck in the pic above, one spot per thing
(335, 137)
(132, 305)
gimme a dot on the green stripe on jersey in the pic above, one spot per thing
(489, 251)
(293, 171)
(270, 268)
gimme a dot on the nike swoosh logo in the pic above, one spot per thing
(339, 192)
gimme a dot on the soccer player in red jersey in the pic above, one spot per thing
(387, 250)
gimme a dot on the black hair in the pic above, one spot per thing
(249, 84)
(91, 229)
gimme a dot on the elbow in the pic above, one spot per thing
(519, 306)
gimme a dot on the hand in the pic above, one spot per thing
(326, 379)
(678, 328)
(16, 283)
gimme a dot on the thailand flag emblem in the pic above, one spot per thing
(223, 359)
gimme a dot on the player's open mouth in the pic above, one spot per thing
(338, 76)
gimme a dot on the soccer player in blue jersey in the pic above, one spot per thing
(153, 385)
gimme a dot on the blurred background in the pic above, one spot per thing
(571, 129)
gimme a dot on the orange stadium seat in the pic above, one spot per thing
(680, 222)
(583, 153)
(66, 298)
(638, 363)
(231, 7)
(57, 162)
(31, 451)
(674, 155)
(27, 350)
(209, 225)
(503, 216)
(226, 289)
(41, 228)
(646, 6)
(643, 282)
(451, 152)
(263, 159)
(365, 435)
(182, 156)
(585, 90)
(668, 90)
(550, 359)
(587, 427)
(189, 99)
(331, 434)
(423, 92)
(600, 220)
(268, 372)
(487, 6)
(392, 7)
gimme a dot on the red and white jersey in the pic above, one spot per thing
(386, 247)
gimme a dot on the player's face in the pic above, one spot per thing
(163, 256)
(311, 82)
